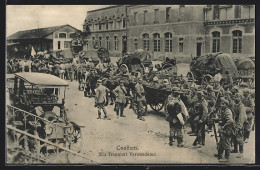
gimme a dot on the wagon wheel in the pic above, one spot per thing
(157, 107)
(124, 67)
(206, 79)
(190, 75)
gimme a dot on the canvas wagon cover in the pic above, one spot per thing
(210, 62)
(245, 64)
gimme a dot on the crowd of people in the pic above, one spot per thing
(200, 107)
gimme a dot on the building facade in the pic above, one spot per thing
(51, 39)
(230, 29)
(181, 31)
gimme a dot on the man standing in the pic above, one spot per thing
(120, 92)
(240, 119)
(140, 99)
(151, 74)
(226, 130)
(228, 84)
(176, 112)
(100, 98)
(201, 107)
(250, 109)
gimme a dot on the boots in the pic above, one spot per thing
(235, 148)
(220, 153)
(241, 150)
(99, 115)
(170, 140)
(227, 154)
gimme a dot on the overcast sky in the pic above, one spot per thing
(24, 17)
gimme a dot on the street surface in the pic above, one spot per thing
(104, 140)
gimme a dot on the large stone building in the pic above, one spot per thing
(181, 31)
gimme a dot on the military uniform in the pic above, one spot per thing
(226, 131)
(100, 99)
(250, 106)
(201, 107)
(240, 120)
(175, 109)
(140, 99)
(120, 101)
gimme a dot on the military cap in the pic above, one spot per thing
(225, 101)
(200, 92)
(176, 90)
(155, 79)
(92, 69)
(217, 69)
(176, 81)
(210, 88)
(238, 95)
(235, 89)
(121, 81)
(99, 81)
(246, 91)
(190, 80)
(125, 74)
(167, 74)
(151, 66)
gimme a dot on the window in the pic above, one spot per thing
(116, 43)
(146, 42)
(156, 42)
(181, 45)
(87, 45)
(168, 42)
(66, 44)
(215, 41)
(135, 17)
(72, 35)
(62, 35)
(106, 25)
(181, 13)
(167, 15)
(156, 11)
(108, 42)
(124, 22)
(100, 41)
(58, 45)
(93, 41)
(237, 11)
(93, 27)
(216, 12)
(135, 44)
(145, 16)
(237, 41)
(99, 26)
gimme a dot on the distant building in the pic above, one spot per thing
(230, 29)
(179, 31)
(50, 38)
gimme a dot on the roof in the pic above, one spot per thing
(42, 79)
(35, 33)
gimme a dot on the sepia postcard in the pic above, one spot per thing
(130, 84)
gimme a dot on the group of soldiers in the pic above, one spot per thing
(201, 107)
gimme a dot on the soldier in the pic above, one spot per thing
(250, 107)
(56, 69)
(201, 108)
(120, 92)
(100, 98)
(225, 131)
(92, 80)
(140, 99)
(176, 114)
(228, 84)
(210, 94)
(218, 76)
(240, 120)
(151, 73)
